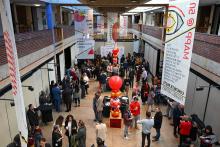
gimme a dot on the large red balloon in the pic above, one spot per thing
(115, 83)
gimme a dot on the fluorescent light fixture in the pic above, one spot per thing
(129, 13)
(158, 2)
(133, 1)
(92, 0)
(37, 5)
(143, 9)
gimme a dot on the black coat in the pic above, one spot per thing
(67, 95)
(74, 127)
(56, 141)
(33, 117)
(158, 120)
(176, 115)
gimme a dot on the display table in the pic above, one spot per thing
(115, 122)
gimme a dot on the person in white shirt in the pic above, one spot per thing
(144, 75)
(147, 124)
(101, 131)
(86, 80)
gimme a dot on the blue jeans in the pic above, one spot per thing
(158, 133)
(57, 105)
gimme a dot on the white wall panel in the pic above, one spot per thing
(62, 65)
(212, 114)
(200, 98)
(190, 93)
(4, 127)
(52, 74)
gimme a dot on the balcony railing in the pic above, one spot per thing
(156, 32)
(205, 45)
(30, 42)
(153, 31)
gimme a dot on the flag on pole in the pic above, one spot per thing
(13, 67)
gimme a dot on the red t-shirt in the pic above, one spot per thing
(185, 128)
(135, 108)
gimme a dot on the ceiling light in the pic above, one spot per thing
(37, 5)
(133, 1)
(92, 0)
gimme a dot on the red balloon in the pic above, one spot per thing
(115, 83)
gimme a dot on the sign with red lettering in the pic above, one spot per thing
(180, 32)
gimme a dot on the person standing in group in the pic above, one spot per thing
(99, 105)
(150, 100)
(56, 92)
(67, 97)
(65, 81)
(76, 94)
(101, 131)
(127, 121)
(144, 75)
(135, 110)
(43, 143)
(81, 134)
(95, 98)
(131, 77)
(59, 122)
(83, 88)
(158, 118)
(147, 124)
(71, 128)
(115, 70)
(57, 138)
(185, 128)
(86, 80)
(177, 114)
(144, 92)
(109, 69)
(32, 116)
(103, 80)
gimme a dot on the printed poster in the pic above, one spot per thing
(123, 31)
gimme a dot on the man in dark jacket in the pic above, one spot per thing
(157, 123)
(103, 80)
(177, 113)
(32, 116)
(16, 142)
(67, 97)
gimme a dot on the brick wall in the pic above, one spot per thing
(153, 31)
(208, 46)
(32, 41)
(205, 45)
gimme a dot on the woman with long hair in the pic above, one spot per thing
(81, 134)
(71, 129)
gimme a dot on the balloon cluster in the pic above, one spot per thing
(115, 83)
(115, 53)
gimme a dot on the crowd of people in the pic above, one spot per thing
(135, 73)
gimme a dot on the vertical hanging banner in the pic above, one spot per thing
(84, 32)
(123, 26)
(112, 23)
(180, 32)
(100, 25)
(13, 67)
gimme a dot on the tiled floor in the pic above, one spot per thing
(114, 136)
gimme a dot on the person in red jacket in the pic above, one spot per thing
(185, 129)
(135, 110)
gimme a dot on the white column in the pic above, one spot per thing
(144, 18)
